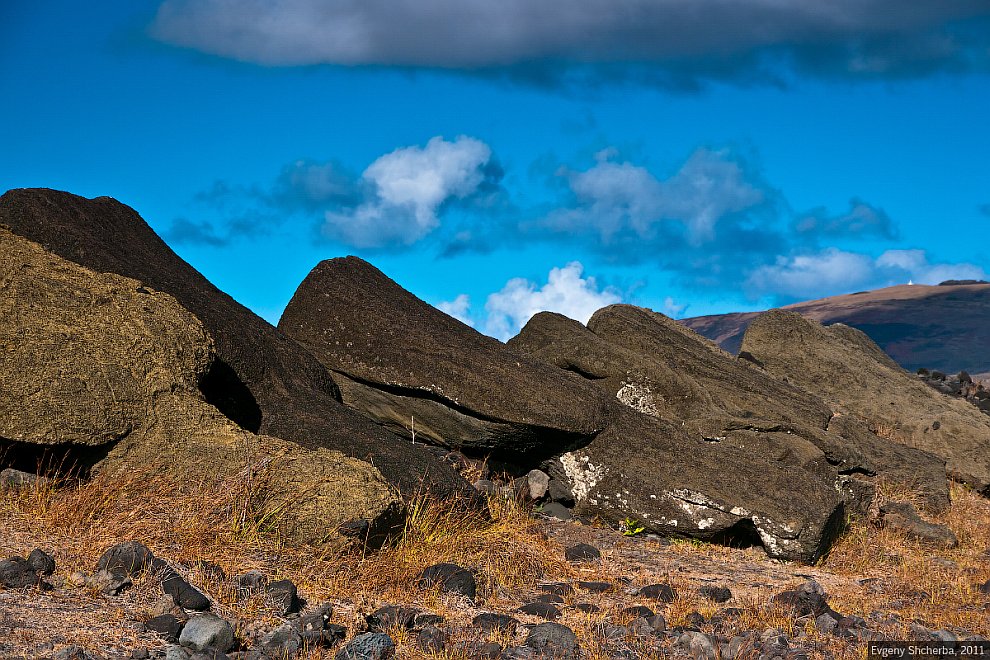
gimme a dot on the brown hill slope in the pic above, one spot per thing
(944, 327)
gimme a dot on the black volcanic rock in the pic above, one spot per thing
(656, 366)
(680, 402)
(263, 380)
(408, 365)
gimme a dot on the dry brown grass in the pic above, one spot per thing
(509, 551)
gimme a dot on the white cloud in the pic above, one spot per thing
(565, 292)
(812, 275)
(405, 191)
(459, 308)
(672, 309)
(900, 265)
(614, 197)
(834, 271)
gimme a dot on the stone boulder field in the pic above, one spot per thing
(372, 478)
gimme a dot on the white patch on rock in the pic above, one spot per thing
(638, 396)
(582, 473)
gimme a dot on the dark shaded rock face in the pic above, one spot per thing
(411, 367)
(845, 367)
(680, 402)
(263, 380)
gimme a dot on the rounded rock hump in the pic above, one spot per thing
(404, 363)
(845, 367)
(262, 380)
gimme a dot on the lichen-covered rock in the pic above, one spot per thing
(141, 356)
(849, 370)
(409, 366)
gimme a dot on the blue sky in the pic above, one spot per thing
(501, 158)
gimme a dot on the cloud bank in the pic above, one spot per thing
(673, 43)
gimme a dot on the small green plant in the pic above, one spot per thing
(631, 527)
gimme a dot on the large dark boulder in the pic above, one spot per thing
(683, 397)
(104, 365)
(849, 370)
(410, 366)
(264, 381)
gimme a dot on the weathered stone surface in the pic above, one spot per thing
(142, 357)
(369, 646)
(554, 640)
(207, 631)
(844, 366)
(403, 360)
(682, 397)
(903, 517)
(450, 578)
(264, 381)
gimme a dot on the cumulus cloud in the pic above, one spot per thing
(398, 199)
(566, 292)
(914, 265)
(621, 200)
(406, 188)
(459, 308)
(675, 43)
(832, 271)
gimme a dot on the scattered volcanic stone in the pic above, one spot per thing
(716, 594)
(17, 573)
(582, 552)
(184, 594)
(596, 587)
(207, 632)
(903, 517)
(558, 588)
(433, 640)
(391, 616)
(554, 640)
(556, 510)
(807, 599)
(167, 626)
(130, 558)
(285, 596)
(492, 621)
(543, 610)
(450, 578)
(637, 611)
(661, 592)
(369, 646)
(42, 562)
(549, 598)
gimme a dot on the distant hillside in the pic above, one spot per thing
(944, 327)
